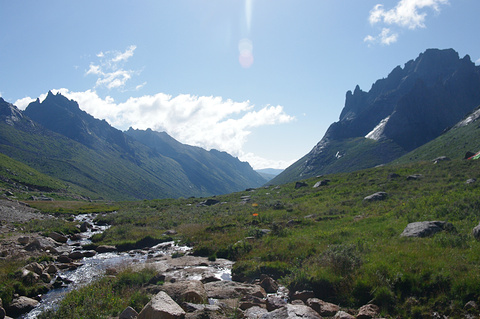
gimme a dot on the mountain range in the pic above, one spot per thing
(57, 138)
(412, 106)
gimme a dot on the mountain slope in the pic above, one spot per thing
(72, 146)
(409, 108)
(213, 170)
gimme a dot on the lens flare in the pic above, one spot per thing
(245, 47)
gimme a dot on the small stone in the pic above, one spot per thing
(369, 311)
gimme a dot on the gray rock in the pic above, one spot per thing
(23, 240)
(254, 312)
(51, 269)
(21, 305)
(58, 237)
(440, 159)
(300, 185)
(232, 290)
(64, 259)
(128, 313)
(369, 311)
(161, 306)
(2, 313)
(35, 267)
(425, 229)
(471, 181)
(292, 312)
(303, 295)
(414, 177)
(321, 183)
(270, 285)
(105, 249)
(76, 255)
(323, 308)
(85, 226)
(192, 291)
(376, 196)
(208, 202)
(476, 232)
(274, 302)
(343, 315)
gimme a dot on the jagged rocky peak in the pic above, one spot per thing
(9, 113)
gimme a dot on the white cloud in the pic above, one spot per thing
(258, 162)
(385, 37)
(205, 121)
(110, 71)
(477, 62)
(408, 14)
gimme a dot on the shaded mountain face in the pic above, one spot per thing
(57, 138)
(409, 108)
(217, 171)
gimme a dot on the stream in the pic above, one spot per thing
(159, 257)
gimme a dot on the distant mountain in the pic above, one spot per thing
(409, 108)
(56, 138)
(217, 172)
(269, 173)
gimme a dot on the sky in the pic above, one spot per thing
(259, 79)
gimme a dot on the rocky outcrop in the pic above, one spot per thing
(425, 229)
(162, 306)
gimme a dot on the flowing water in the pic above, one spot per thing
(95, 267)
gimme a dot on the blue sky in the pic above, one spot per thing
(260, 79)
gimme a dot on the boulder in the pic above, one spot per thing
(208, 202)
(323, 308)
(440, 159)
(191, 291)
(35, 267)
(321, 183)
(250, 301)
(303, 295)
(300, 185)
(51, 269)
(267, 283)
(425, 229)
(255, 312)
(376, 196)
(105, 249)
(76, 255)
(471, 181)
(58, 237)
(274, 302)
(369, 311)
(21, 305)
(128, 313)
(89, 253)
(414, 177)
(476, 232)
(343, 315)
(292, 311)
(64, 259)
(232, 290)
(161, 307)
(85, 226)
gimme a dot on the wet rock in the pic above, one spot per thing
(51, 269)
(369, 311)
(58, 237)
(85, 226)
(89, 253)
(161, 306)
(267, 283)
(128, 313)
(303, 295)
(209, 278)
(292, 311)
(255, 312)
(300, 185)
(343, 315)
(323, 308)
(20, 306)
(76, 255)
(105, 249)
(76, 237)
(232, 290)
(274, 302)
(189, 291)
(425, 229)
(64, 259)
(375, 197)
